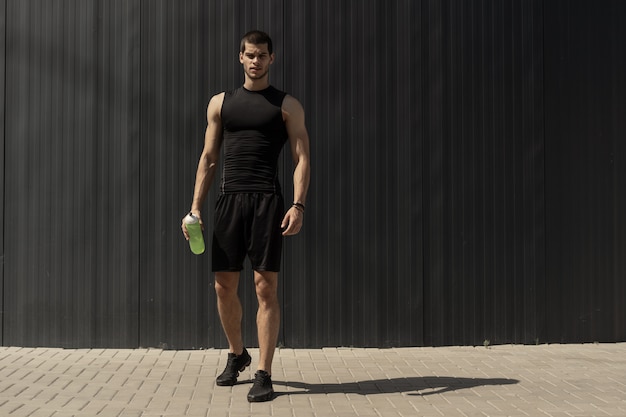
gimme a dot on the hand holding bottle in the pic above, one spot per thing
(192, 229)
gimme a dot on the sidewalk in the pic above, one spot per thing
(545, 380)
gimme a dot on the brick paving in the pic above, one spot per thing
(545, 380)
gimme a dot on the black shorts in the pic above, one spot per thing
(248, 224)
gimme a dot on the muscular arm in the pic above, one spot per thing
(210, 156)
(293, 114)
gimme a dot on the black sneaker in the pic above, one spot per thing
(235, 364)
(262, 389)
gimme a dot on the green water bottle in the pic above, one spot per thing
(196, 240)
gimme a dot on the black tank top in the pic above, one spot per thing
(254, 133)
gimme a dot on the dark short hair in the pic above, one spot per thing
(256, 37)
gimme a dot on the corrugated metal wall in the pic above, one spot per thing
(585, 95)
(71, 225)
(174, 85)
(483, 172)
(2, 141)
(355, 276)
(430, 219)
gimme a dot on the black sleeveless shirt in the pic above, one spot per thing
(254, 133)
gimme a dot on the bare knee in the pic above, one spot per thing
(266, 291)
(226, 284)
(266, 284)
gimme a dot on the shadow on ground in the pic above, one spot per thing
(428, 385)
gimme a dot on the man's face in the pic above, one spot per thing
(256, 60)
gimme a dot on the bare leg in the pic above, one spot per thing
(229, 308)
(268, 317)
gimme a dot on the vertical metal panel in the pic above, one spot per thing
(173, 308)
(354, 277)
(2, 170)
(71, 256)
(585, 170)
(617, 280)
(483, 165)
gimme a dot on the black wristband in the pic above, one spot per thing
(299, 206)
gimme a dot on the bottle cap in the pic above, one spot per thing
(191, 219)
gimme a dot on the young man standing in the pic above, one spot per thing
(253, 123)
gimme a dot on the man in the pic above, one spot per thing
(253, 123)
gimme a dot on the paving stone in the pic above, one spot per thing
(545, 380)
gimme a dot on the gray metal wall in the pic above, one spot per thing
(450, 161)
(585, 99)
(2, 158)
(483, 182)
(72, 179)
